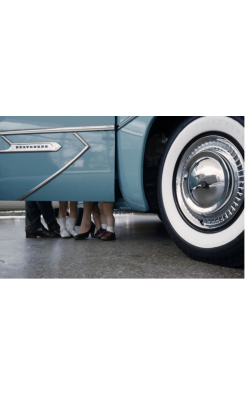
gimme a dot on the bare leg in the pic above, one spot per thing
(73, 210)
(71, 221)
(102, 215)
(86, 220)
(96, 215)
(63, 209)
(108, 213)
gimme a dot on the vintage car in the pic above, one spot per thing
(189, 170)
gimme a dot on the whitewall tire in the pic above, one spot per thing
(201, 188)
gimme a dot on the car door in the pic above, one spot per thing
(57, 158)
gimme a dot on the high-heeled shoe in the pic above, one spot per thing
(82, 236)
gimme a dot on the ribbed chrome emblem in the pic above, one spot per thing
(30, 147)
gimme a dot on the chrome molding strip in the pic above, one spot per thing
(106, 128)
(20, 148)
(7, 141)
(125, 122)
(87, 146)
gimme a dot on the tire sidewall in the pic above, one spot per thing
(184, 235)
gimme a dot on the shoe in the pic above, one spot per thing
(63, 231)
(71, 226)
(54, 227)
(72, 232)
(44, 233)
(109, 236)
(101, 232)
(82, 236)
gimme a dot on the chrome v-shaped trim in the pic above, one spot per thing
(87, 146)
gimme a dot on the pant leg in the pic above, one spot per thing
(47, 211)
(32, 216)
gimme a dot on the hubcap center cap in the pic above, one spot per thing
(208, 183)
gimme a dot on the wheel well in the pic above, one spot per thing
(161, 130)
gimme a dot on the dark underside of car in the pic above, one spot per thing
(160, 131)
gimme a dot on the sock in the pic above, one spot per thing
(71, 223)
(110, 229)
(62, 222)
(104, 226)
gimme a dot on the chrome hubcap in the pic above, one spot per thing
(210, 182)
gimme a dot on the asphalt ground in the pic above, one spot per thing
(143, 249)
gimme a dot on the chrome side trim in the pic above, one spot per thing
(21, 148)
(106, 128)
(7, 141)
(87, 146)
(125, 122)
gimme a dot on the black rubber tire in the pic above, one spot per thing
(231, 254)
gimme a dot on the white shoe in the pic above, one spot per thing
(63, 231)
(71, 226)
(72, 232)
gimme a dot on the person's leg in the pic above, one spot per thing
(102, 216)
(49, 216)
(34, 227)
(63, 209)
(62, 219)
(47, 211)
(71, 221)
(86, 220)
(96, 216)
(108, 212)
(32, 216)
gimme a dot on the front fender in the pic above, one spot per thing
(131, 142)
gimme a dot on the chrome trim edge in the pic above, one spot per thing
(106, 128)
(87, 146)
(126, 122)
(7, 141)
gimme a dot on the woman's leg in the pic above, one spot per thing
(71, 221)
(86, 220)
(96, 215)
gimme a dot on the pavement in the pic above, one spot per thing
(143, 249)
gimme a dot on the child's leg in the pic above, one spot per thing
(62, 219)
(102, 216)
(63, 209)
(71, 221)
(108, 212)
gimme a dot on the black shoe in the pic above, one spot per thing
(82, 236)
(54, 227)
(44, 233)
(100, 233)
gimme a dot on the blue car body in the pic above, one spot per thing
(93, 154)
(188, 170)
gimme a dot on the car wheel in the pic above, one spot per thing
(201, 189)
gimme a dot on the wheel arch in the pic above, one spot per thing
(133, 139)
